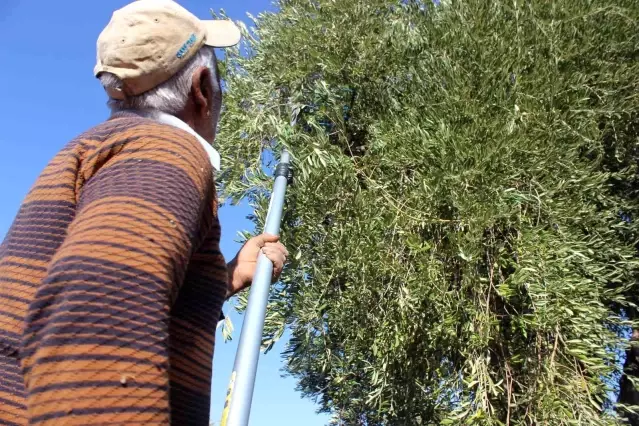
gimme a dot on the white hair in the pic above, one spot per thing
(170, 96)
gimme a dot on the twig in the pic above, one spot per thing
(554, 349)
(509, 383)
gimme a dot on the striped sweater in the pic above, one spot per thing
(112, 282)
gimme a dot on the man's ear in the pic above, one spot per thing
(202, 91)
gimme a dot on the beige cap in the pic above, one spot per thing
(148, 41)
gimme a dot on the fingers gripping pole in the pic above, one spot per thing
(240, 392)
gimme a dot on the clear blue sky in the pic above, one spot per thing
(49, 96)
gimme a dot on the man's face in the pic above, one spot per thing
(216, 104)
(206, 124)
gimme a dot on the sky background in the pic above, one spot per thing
(49, 96)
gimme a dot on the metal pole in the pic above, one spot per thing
(237, 407)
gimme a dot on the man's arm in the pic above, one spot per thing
(96, 340)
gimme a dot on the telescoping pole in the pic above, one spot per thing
(237, 407)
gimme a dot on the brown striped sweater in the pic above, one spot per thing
(112, 282)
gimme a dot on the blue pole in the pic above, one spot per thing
(237, 408)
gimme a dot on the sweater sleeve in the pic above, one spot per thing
(194, 319)
(96, 339)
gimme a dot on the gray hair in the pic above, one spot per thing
(170, 96)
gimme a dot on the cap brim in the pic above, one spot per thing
(221, 33)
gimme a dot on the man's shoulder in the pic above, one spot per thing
(128, 127)
(122, 130)
(124, 138)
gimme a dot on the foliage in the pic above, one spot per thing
(462, 219)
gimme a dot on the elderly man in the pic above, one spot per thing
(111, 276)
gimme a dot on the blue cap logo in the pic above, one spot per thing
(186, 46)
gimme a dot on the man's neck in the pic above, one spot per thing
(174, 121)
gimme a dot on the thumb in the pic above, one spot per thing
(264, 238)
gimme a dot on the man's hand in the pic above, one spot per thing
(242, 267)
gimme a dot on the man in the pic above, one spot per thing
(111, 276)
